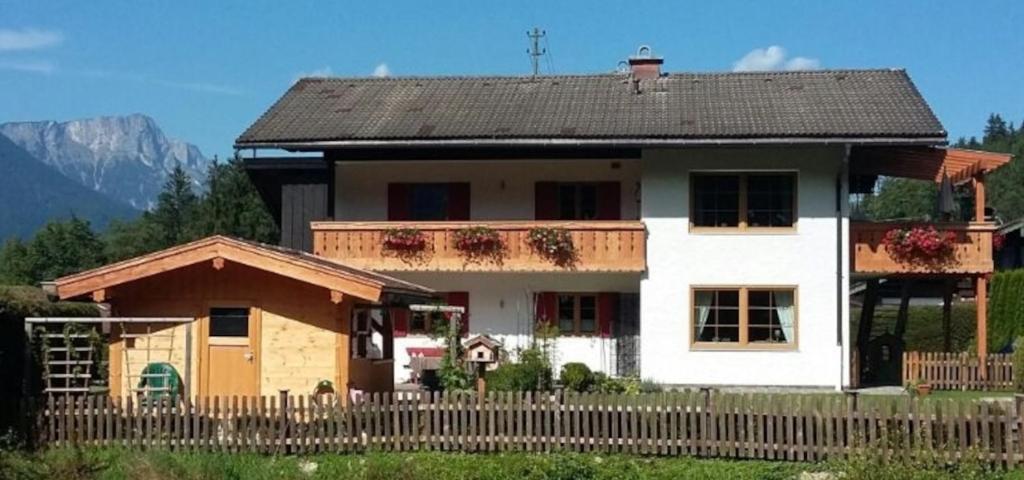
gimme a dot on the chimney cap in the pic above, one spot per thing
(645, 54)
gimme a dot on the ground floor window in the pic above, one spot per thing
(577, 314)
(744, 317)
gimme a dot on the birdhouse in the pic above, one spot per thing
(482, 350)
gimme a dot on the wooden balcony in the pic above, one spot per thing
(972, 252)
(600, 246)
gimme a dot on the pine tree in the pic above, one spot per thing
(15, 267)
(176, 209)
(902, 198)
(233, 207)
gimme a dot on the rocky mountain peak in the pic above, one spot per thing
(125, 157)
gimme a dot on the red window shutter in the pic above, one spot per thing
(545, 201)
(461, 299)
(547, 308)
(607, 312)
(400, 320)
(398, 201)
(458, 201)
(609, 201)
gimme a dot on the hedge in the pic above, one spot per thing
(16, 303)
(1006, 309)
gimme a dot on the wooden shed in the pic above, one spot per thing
(255, 319)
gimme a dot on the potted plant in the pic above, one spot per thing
(919, 244)
(479, 242)
(554, 244)
(919, 388)
(404, 239)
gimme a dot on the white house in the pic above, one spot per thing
(708, 214)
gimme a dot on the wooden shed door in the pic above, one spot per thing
(232, 343)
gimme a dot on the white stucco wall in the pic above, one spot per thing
(499, 189)
(678, 260)
(501, 305)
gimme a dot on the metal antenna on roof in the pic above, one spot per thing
(535, 51)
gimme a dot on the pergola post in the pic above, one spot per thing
(981, 299)
(981, 296)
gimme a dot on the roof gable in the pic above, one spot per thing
(691, 106)
(293, 264)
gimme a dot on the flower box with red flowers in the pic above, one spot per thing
(404, 239)
(919, 244)
(478, 241)
(552, 243)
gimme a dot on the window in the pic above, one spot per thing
(229, 322)
(425, 323)
(577, 201)
(743, 200)
(371, 334)
(744, 317)
(577, 314)
(428, 201)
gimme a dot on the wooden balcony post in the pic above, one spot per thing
(981, 300)
(979, 198)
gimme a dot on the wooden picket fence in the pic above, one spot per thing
(696, 423)
(958, 371)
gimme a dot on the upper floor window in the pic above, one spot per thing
(744, 317)
(578, 201)
(743, 201)
(428, 201)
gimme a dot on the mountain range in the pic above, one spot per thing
(98, 169)
(126, 158)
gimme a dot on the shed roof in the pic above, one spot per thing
(286, 262)
(865, 105)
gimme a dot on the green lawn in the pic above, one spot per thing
(156, 465)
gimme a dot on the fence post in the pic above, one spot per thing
(282, 446)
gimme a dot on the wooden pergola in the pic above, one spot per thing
(961, 166)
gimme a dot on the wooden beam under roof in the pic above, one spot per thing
(925, 163)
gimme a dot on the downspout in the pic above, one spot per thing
(840, 278)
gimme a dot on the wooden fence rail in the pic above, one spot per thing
(958, 371)
(696, 423)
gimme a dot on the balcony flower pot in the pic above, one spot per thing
(480, 244)
(404, 239)
(920, 245)
(554, 244)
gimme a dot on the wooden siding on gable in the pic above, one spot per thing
(302, 203)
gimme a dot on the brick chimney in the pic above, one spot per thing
(643, 65)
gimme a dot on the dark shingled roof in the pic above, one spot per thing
(860, 104)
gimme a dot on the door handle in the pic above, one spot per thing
(249, 356)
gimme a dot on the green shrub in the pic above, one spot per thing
(606, 384)
(1018, 365)
(1006, 309)
(531, 373)
(577, 377)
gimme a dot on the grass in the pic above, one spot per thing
(971, 395)
(157, 465)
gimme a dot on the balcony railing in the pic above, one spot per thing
(598, 246)
(971, 252)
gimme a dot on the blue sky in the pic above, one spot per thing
(205, 70)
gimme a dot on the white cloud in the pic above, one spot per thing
(773, 58)
(382, 70)
(28, 39)
(34, 66)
